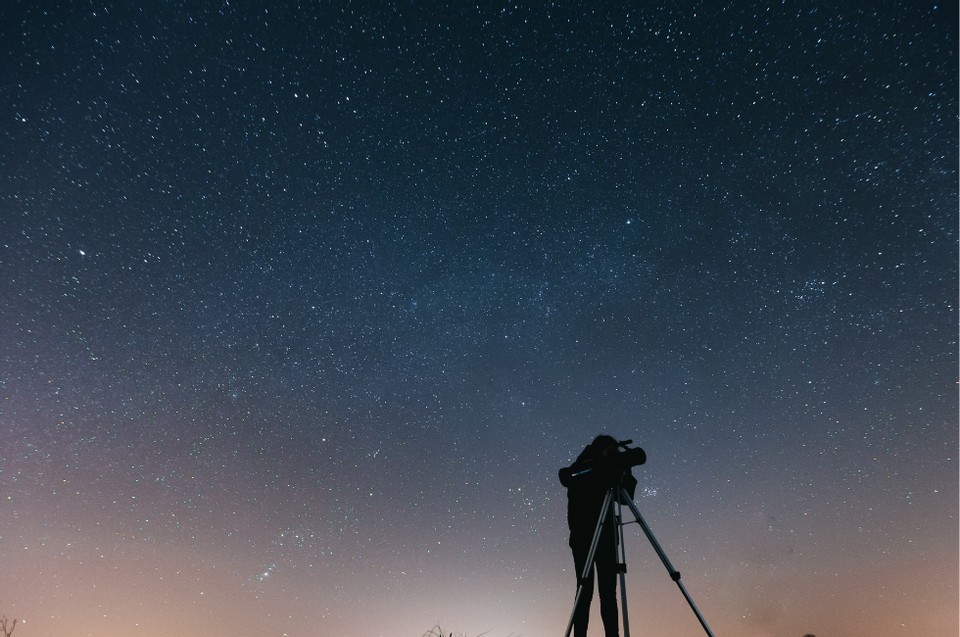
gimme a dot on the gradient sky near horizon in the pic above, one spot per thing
(303, 309)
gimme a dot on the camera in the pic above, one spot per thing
(630, 457)
(611, 465)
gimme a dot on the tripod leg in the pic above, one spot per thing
(588, 569)
(674, 573)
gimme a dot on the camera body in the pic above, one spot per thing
(630, 457)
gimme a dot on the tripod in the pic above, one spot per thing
(609, 501)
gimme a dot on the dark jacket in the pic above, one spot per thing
(587, 482)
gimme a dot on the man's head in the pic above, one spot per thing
(602, 446)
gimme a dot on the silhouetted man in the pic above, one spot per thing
(587, 482)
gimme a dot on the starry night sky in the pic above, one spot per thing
(303, 309)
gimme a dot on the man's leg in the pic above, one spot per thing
(581, 616)
(607, 589)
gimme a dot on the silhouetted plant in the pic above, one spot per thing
(3, 625)
(436, 631)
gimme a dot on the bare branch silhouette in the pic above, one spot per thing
(436, 631)
(3, 625)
